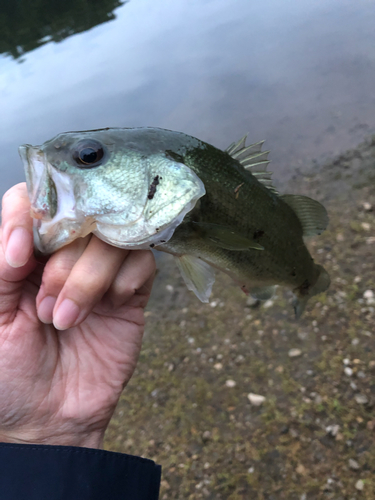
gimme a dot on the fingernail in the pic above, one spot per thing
(19, 247)
(45, 309)
(66, 315)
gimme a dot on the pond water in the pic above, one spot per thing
(298, 74)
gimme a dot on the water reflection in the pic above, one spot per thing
(299, 74)
(27, 24)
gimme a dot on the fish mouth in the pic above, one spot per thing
(35, 168)
(52, 202)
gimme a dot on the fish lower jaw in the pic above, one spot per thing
(49, 236)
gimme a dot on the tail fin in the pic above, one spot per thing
(302, 296)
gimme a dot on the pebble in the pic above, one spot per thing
(301, 469)
(359, 485)
(348, 371)
(256, 399)
(294, 433)
(206, 435)
(353, 464)
(366, 226)
(369, 297)
(302, 335)
(361, 374)
(367, 206)
(346, 361)
(318, 399)
(250, 470)
(218, 366)
(239, 359)
(213, 303)
(169, 288)
(333, 430)
(355, 341)
(361, 399)
(268, 303)
(251, 302)
(230, 383)
(294, 353)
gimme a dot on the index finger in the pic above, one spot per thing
(17, 226)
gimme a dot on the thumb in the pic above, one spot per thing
(16, 250)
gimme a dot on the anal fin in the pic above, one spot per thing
(262, 293)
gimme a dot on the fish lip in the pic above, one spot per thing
(35, 166)
(33, 160)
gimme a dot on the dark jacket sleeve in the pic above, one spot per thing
(36, 472)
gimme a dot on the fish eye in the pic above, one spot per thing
(88, 153)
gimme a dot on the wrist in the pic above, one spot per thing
(89, 440)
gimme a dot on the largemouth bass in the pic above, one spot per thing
(153, 188)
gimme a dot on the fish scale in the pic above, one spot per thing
(255, 209)
(149, 187)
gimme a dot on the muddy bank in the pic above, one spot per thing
(191, 406)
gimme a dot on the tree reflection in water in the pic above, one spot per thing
(28, 24)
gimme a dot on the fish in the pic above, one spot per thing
(146, 187)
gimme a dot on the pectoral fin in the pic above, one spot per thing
(227, 238)
(197, 274)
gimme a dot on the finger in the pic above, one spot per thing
(87, 282)
(55, 275)
(17, 238)
(134, 278)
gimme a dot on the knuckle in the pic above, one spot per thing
(87, 285)
(123, 287)
(56, 272)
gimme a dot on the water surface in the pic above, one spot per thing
(298, 74)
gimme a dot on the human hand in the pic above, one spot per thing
(61, 387)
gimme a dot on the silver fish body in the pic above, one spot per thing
(148, 187)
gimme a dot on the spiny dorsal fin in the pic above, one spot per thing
(312, 215)
(252, 158)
